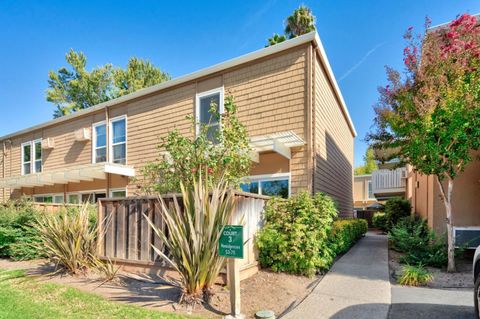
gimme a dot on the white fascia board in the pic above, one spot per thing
(119, 170)
(281, 149)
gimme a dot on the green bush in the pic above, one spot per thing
(379, 220)
(17, 236)
(414, 275)
(396, 209)
(420, 244)
(294, 238)
(345, 233)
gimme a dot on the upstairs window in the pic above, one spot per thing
(119, 140)
(37, 156)
(99, 142)
(370, 190)
(26, 158)
(209, 106)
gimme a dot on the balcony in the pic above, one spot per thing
(388, 183)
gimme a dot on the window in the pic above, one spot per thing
(118, 193)
(99, 142)
(73, 199)
(55, 198)
(209, 106)
(26, 158)
(270, 185)
(37, 156)
(370, 190)
(92, 197)
(118, 140)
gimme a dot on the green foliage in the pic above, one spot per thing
(68, 239)
(139, 74)
(294, 238)
(370, 163)
(420, 244)
(414, 276)
(192, 235)
(300, 22)
(345, 233)
(396, 209)
(379, 220)
(73, 89)
(17, 236)
(182, 157)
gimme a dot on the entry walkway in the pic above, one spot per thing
(357, 286)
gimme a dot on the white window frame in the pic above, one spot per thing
(53, 195)
(221, 106)
(270, 177)
(33, 159)
(23, 157)
(118, 190)
(110, 137)
(94, 141)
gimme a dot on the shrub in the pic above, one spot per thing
(420, 244)
(17, 236)
(396, 209)
(294, 238)
(379, 220)
(345, 233)
(68, 239)
(193, 235)
(414, 275)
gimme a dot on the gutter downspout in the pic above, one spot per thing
(309, 122)
(107, 131)
(4, 155)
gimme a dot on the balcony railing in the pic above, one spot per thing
(386, 181)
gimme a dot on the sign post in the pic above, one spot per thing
(231, 247)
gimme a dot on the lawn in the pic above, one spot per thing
(23, 297)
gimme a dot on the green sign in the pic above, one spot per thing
(231, 242)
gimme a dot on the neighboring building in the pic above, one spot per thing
(363, 196)
(287, 97)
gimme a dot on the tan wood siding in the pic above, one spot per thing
(333, 145)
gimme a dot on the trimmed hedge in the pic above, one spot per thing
(345, 233)
(294, 238)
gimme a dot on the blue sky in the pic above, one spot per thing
(360, 38)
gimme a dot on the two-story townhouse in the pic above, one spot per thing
(287, 97)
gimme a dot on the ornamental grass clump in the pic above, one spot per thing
(68, 239)
(194, 224)
(414, 276)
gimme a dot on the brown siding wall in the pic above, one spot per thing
(333, 144)
(270, 94)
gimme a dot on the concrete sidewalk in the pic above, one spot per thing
(357, 286)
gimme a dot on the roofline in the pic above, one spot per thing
(363, 175)
(306, 38)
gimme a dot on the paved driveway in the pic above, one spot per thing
(410, 302)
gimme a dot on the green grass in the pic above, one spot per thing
(23, 297)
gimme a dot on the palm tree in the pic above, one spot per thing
(300, 22)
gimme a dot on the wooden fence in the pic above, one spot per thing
(127, 238)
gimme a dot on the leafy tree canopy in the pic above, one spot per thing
(369, 163)
(73, 89)
(300, 22)
(431, 115)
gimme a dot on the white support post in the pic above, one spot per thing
(233, 271)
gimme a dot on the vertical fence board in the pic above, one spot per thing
(121, 231)
(132, 231)
(145, 236)
(110, 229)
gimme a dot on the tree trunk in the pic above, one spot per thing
(447, 201)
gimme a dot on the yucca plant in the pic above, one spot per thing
(414, 275)
(68, 239)
(192, 235)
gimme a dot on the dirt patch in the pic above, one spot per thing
(462, 278)
(264, 290)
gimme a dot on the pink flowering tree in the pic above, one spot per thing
(430, 115)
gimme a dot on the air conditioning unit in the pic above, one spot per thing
(48, 143)
(467, 237)
(82, 135)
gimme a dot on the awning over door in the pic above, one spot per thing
(67, 175)
(280, 143)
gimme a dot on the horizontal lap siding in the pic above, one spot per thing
(333, 145)
(269, 93)
(270, 96)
